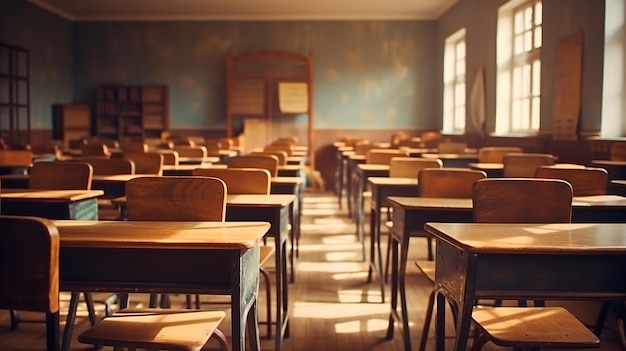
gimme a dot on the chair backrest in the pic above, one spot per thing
(146, 162)
(584, 181)
(110, 165)
(618, 151)
(362, 147)
(524, 165)
(61, 175)
(240, 180)
(285, 141)
(170, 157)
(409, 167)
(280, 154)
(269, 162)
(176, 199)
(522, 200)
(29, 264)
(451, 147)
(16, 157)
(383, 156)
(135, 146)
(191, 151)
(495, 154)
(95, 150)
(431, 138)
(448, 182)
(280, 147)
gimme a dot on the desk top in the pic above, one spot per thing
(558, 238)
(609, 163)
(466, 204)
(251, 200)
(463, 156)
(161, 235)
(198, 160)
(486, 166)
(287, 180)
(49, 195)
(372, 167)
(388, 181)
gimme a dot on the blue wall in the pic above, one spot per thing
(48, 38)
(367, 74)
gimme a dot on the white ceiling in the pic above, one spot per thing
(99, 10)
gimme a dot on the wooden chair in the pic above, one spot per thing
(174, 199)
(146, 162)
(585, 181)
(618, 151)
(191, 151)
(134, 146)
(383, 156)
(431, 138)
(526, 200)
(269, 162)
(66, 175)
(16, 157)
(524, 164)
(280, 147)
(29, 270)
(495, 154)
(451, 147)
(95, 150)
(248, 181)
(406, 167)
(170, 157)
(107, 166)
(441, 183)
(282, 155)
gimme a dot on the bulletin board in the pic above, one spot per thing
(567, 86)
(270, 84)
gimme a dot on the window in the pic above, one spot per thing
(519, 67)
(613, 90)
(454, 83)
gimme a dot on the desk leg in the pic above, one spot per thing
(393, 315)
(375, 250)
(359, 212)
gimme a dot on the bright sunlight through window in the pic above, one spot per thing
(454, 83)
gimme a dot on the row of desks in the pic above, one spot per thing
(280, 210)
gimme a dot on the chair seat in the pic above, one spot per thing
(162, 329)
(265, 253)
(533, 327)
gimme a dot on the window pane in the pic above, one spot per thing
(517, 81)
(538, 13)
(538, 37)
(460, 94)
(519, 23)
(525, 113)
(460, 50)
(528, 18)
(528, 41)
(534, 118)
(518, 46)
(536, 78)
(516, 115)
(460, 67)
(526, 80)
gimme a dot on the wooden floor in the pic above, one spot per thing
(332, 307)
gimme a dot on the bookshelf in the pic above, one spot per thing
(131, 112)
(71, 122)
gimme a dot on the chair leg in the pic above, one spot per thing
(52, 332)
(427, 320)
(268, 298)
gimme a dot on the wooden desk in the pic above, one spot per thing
(418, 151)
(534, 261)
(183, 169)
(52, 204)
(616, 169)
(382, 187)
(277, 209)
(293, 186)
(493, 170)
(114, 185)
(352, 162)
(14, 181)
(222, 155)
(363, 172)
(187, 160)
(290, 171)
(410, 214)
(173, 257)
(341, 153)
(454, 160)
(14, 168)
(618, 186)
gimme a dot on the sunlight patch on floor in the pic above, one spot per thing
(356, 296)
(350, 275)
(371, 325)
(331, 267)
(327, 247)
(338, 310)
(341, 256)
